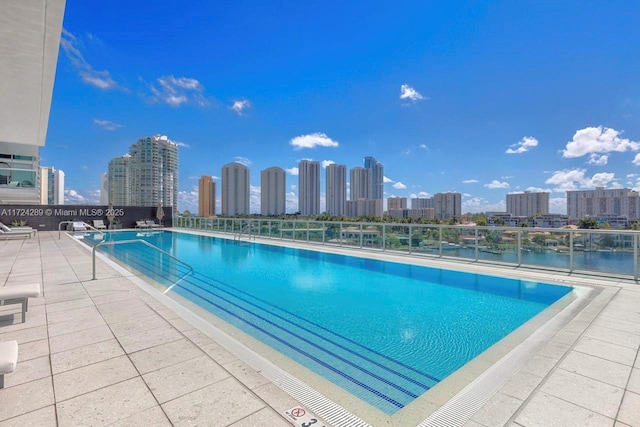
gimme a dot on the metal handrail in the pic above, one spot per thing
(240, 232)
(117, 242)
(71, 222)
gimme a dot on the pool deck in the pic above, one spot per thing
(105, 352)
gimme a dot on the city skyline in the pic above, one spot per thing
(483, 100)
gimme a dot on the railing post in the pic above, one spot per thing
(340, 234)
(307, 231)
(440, 240)
(384, 237)
(570, 251)
(360, 235)
(635, 256)
(476, 244)
(410, 235)
(519, 248)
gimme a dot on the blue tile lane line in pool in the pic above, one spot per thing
(373, 328)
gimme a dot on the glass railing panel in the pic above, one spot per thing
(300, 233)
(546, 248)
(316, 231)
(350, 234)
(372, 236)
(288, 228)
(606, 252)
(332, 233)
(397, 238)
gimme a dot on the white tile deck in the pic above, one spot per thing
(105, 352)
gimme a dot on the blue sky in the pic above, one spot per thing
(483, 98)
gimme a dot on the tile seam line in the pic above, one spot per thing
(164, 306)
(538, 388)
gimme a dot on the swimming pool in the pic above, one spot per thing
(383, 331)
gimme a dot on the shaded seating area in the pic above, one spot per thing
(19, 294)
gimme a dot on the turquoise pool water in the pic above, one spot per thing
(386, 332)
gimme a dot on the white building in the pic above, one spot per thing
(154, 172)
(235, 189)
(309, 188)
(119, 184)
(447, 205)
(336, 189)
(30, 31)
(359, 183)
(51, 186)
(528, 203)
(104, 189)
(601, 202)
(273, 186)
(364, 207)
(422, 202)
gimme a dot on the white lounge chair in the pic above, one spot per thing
(99, 224)
(141, 224)
(8, 358)
(17, 231)
(19, 294)
(152, 224)
(79, 226)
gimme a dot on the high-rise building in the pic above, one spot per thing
(364, 207)
(206, 197)
(376, 177)
(447, 205)
(422, 202)
(309, 188)
(601, 202)
(154, 172)
(120, 181)
(395, 203)
(29, 46)
(104, 189)
(273, 192)
(336, 189)
(235, 189)
(360, 183)
(51, 186)
(528, 203)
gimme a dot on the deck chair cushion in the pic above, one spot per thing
(8, 356)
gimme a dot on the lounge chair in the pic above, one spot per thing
(99, 224)
(19, 294)
(8, 358)
(142, 224)
(17, 233)
(152, 224)
(79, 226)
(18, 230)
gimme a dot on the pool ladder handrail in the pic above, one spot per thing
(251, 233)
(90, 227)
(117, 242)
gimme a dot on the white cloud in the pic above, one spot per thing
(254, 199)
(312, 140)
(636, 160)
(176, 91)
(407, 93)
(243, 160)
(326, 163)
(71, 47)
(81, 197)
(106, 124)
(478, 204)
(292, 171)
(291, 202)
(386, 180)
(573, 179)
(423, 146)
(558, 205)
(524, 145)
(506, 177)
(538, 190)
(496, 184)
(182, 144)
(188, 200)
(406, 152)
(597, 159)
(598, 140)
(420, 195)
(240, 105)
(470, 181)
(399, 186)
